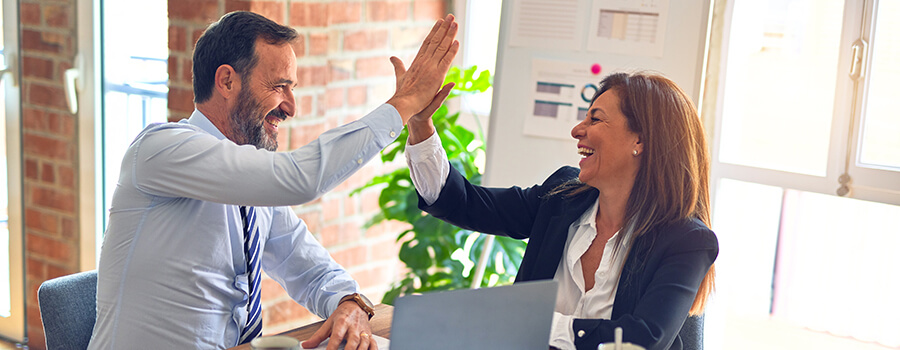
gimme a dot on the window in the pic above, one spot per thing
(806, 172)
(12, 302)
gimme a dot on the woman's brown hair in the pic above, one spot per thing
(672, 183)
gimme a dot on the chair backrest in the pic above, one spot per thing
(69, 310)
(692, 333)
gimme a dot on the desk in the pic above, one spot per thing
(381, 326)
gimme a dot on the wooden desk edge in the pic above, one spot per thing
(381, 326)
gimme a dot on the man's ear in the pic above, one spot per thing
(228, 83)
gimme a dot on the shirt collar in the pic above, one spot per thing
(588, 218)
(201, 121)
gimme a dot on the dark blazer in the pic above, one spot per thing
(660, 277)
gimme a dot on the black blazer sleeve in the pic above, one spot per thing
(499, 211)
(657, 287)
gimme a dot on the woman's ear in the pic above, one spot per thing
(227, 81)
(638, 145)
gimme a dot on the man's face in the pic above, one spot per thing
(266, 97)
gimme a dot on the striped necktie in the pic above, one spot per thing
(251, 249)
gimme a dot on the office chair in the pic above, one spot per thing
(69, 310)
(692, 333)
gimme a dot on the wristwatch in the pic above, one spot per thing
(362, 301)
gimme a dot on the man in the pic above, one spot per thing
(201, 205)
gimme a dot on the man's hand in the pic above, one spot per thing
(421, 126)
(348, 322)
(418, 86)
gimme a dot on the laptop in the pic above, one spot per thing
(516, 316)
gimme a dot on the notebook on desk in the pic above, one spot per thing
(517, 317)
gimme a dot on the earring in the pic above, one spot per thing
(634, 153)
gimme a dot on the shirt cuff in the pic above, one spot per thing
(428, 167)
(386, 124)
(561, 334)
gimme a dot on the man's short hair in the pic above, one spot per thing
(232, 41)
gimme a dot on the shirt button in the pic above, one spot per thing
(359, 161)
(581, 333)
(393, 134)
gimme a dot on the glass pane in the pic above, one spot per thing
(838, 270)
(881, 126)
(744, 273)
(780, 83)
(135, 77)
(5, 302)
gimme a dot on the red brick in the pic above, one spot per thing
(369, 201)
(237, 5)
(331, 208)
(69, 229)
(33, 40)
(344, 12)
(47, 95)
(387, 249)
(273, 10)
(299, 46)
(54, 199)
(181, 100)
(383, 11)
(66, 176)
(57, 16)
(408, 38)
(318, 44)
(63, 124)
(365, 40)
(35, 269)
(334, 98)
(370, 67)
(281, 138)
(339, 70)
(34, 119)
(351, 257)
(172, 68)
(356, 95)
(196, 36)
(308, 14)
(429, 9)
(270, 290)
(49, 248)
(35, 67)
(48, 175)
(31, 169)
(177, 38)
(35, 327)
(312, 220)
(333, 235)
(349, 206)
(304, 105)
(30, 14)
(312, 76)
(302, 135)
(204, 11)
(287, 311)
(187, 72)
(46, 147)
(372, 277)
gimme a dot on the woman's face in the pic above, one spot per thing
(607, 145)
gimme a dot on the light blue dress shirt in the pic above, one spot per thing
(172, 273)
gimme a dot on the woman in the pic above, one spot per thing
(626, 235)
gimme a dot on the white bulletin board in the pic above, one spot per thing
(543, 68)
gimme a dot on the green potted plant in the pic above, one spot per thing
(441, 256)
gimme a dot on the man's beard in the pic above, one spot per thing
(247, 123)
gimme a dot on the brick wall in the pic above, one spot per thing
(49, 151)
(343, 72)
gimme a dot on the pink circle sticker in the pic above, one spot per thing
(596, 68)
